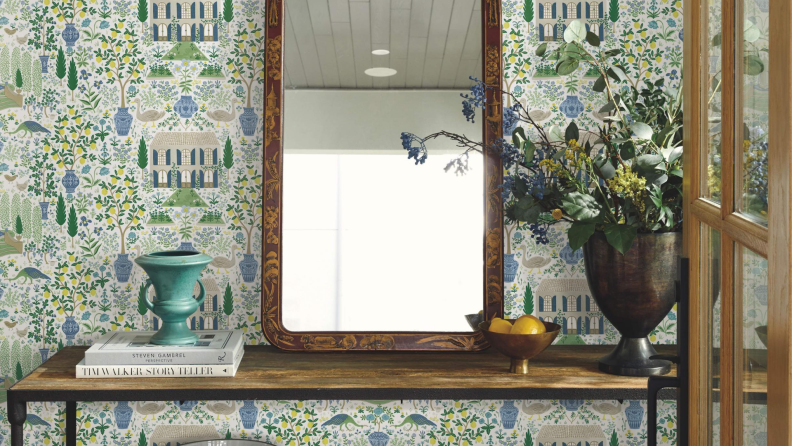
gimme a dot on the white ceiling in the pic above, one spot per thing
(433, 43)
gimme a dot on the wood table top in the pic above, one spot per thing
(560, 372)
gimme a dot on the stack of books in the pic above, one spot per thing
(130, 354)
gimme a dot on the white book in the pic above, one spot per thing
(157, 371)
(221, 347)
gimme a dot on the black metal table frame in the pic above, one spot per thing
(18, 399)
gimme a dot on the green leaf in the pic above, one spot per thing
(627, 150)
(581, 207)
(672, 154)
(592, 39)
(555, 134)
(518, 132)
(620, 236)
(574, 51)
(612, 53)
(575, 32)
(541, 49)
(607, 108)
(599, 85)
(604, 167)
(753, 65)
(647, 163)
(572, 132)
(560, 154)
(529, 215)
(617, 73)
(528, 151)
(716, 40)
(579, 234)
(566, 66)
(520, 188)
(657, 178)
(641, 130)
(676, 173)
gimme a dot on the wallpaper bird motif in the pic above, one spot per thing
(128, 126)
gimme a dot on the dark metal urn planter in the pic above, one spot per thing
(635, 291)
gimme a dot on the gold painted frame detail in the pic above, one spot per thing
(271, 292)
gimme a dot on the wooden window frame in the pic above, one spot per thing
(735, 228)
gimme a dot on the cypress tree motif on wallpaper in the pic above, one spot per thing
(142, 158)
(72, 227)
(60, 212)
(60, 65)
(142, 15)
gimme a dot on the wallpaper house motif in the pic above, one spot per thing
(70, 145)
(188, 25)
(554, 15)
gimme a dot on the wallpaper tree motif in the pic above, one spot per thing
(127, 128)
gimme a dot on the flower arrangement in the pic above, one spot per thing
(622, 178)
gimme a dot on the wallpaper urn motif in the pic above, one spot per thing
(249, 267)
(186, 107)
(510, 267)
(378, 439)
(123, 414)
(44, 64)
(248, 413)
(70, 34)
(634, 414)
(571, 107)
(70, 327)
(123, 267)
(123, 121)
(509, 414)
(70, 181)
(248, 120)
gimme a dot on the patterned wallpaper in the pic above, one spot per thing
(128, 127)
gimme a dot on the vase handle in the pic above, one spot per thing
(202, 294)
(149, 304)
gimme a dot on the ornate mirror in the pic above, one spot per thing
(365, 249)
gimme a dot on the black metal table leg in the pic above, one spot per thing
(71, 423)
(17, 414)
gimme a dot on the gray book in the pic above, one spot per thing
(134, 348)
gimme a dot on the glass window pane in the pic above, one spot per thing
(711, 285)
(751, 195)
(712, 177)
(752, 283)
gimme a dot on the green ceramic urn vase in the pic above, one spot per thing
(173, 274)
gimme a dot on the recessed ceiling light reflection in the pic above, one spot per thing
(380, 52)
(380, 72)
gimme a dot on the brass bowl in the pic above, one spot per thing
(520, 348)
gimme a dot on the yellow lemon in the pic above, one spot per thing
(528, 324)
(499, 325)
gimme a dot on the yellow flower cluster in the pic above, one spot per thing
(627, 183)
(551, 165)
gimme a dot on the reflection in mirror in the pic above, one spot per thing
(372, 241)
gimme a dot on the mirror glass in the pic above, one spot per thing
(372, 241)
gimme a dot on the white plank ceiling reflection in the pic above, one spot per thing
(433, 44)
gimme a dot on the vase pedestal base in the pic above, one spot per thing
(631, 358)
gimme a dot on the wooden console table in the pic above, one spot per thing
(266, 373)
